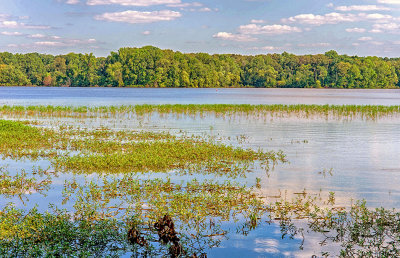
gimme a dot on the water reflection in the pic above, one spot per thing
(122, 96)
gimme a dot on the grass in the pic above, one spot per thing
(338, 111)
(114, 152)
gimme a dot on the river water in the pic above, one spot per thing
(123, 96)
(357, 159)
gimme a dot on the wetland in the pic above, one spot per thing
(198, 180)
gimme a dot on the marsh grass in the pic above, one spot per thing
(195, 110)
(115, 152)
(18, 139)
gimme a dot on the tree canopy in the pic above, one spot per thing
(152, 67)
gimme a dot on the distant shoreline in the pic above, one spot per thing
(151, 67)
(168, 88)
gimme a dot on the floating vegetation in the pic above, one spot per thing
(334, 111)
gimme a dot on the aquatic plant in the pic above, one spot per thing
(193, 203)
(195, 110)
(21, 184)
(114, 152)
(60, 233)
(359, 230)
(33, 234)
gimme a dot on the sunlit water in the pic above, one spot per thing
(357, 159)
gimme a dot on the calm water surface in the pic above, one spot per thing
(121, 96)
(362, 155)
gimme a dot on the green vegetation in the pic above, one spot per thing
(105, 151)
(32, 234)
(360, 231)
(152, 67)
(339, 111)
(193, 202)
(20, 184)
(92, 230)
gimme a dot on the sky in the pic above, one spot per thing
(353, 27)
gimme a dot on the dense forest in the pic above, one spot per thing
(152, 67)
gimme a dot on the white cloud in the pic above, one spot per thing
(234, 37)
(133, 2)
(362, 8)
(139, 17)
(72, 2)
(389, 1)
(356, 30)
(385, 27)
(13, 33)
(365, 39)
(330, 18)
(147, 32)
(271, 48)
(375, 31)
(20, 25)
(335, 18)
(37, 36)
(50, 43)
(267, 29)
(322, 44)
(257, 21)
(61, 43)
(185, 5)
(376, 16)
(205, 9)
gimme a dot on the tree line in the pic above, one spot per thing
(152, 67)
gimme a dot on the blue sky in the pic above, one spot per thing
(369, 27)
